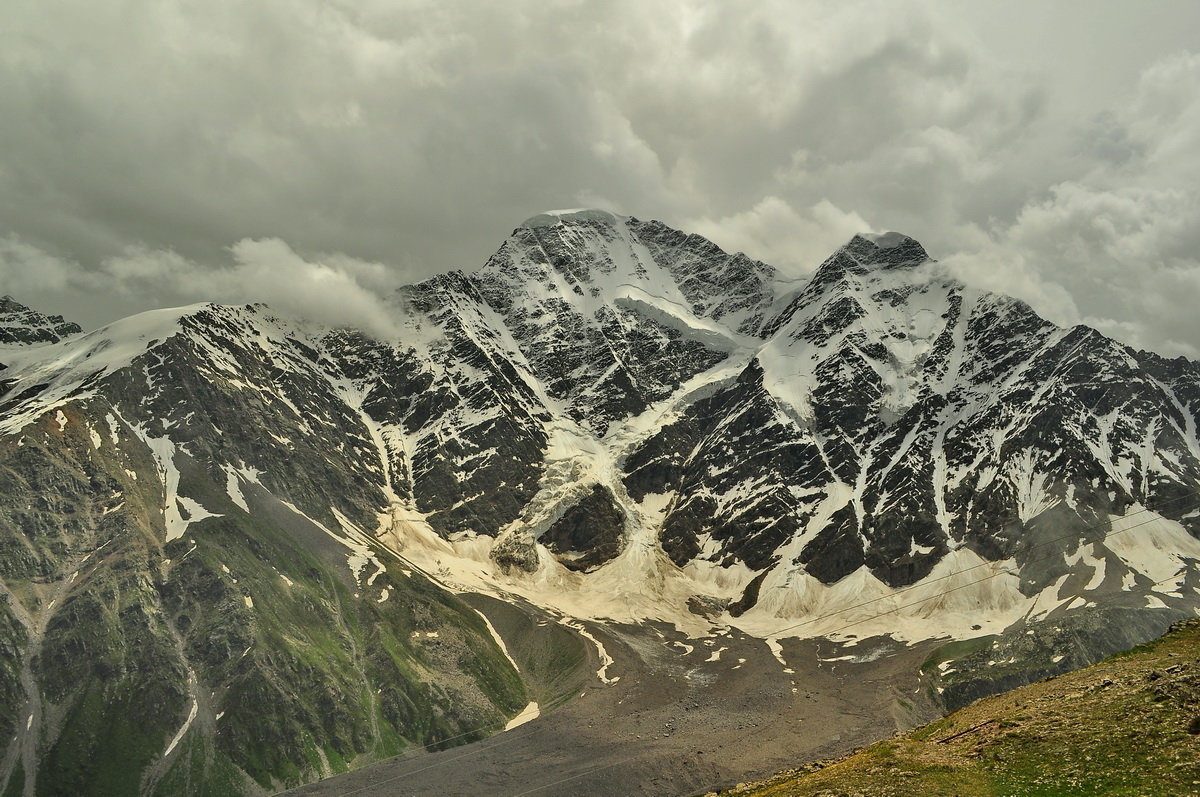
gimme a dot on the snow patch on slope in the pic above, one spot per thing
(179, 511)
(531, 711)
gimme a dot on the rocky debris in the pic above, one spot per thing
(1105, 728)
(1032, 652)
(707, 606)
(516, 551)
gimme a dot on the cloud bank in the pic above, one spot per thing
(165, 152)
(334, 290)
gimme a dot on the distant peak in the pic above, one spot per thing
(20, 324)
(573, 215)
(9, 305)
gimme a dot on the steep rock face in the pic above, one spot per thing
(610, 325)
(706, 458)
(733, 289)
(893, 415)
(457, 413)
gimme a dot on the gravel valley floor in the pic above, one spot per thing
(683, 716)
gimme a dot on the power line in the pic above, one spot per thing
(414, 752)
(403, 775)
(573, 777)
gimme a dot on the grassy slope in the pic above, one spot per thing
(1125, 726)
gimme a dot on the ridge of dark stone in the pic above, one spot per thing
(905, 254)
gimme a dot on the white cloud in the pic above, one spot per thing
(775, 232)
(333, 291)
(1123, 239)
(141, 137)
(26, 270)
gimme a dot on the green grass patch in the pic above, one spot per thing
(1117, 728)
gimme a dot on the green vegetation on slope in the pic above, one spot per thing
(1128, 725)
(252, 624)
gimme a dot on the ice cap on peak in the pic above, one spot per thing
(552, 217)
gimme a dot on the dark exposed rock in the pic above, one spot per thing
(589, 533)
(516, 552)
(22, 325)
(749, 596)
(1029, 652)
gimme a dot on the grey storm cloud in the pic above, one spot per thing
(317, 154)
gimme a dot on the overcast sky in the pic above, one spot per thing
(313, 153)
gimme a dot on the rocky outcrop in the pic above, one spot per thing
(589, 533)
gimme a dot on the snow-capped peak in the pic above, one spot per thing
(889, 250)
(885, 240)
(21, 325)
(573, 215)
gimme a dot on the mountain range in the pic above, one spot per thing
(237, 549)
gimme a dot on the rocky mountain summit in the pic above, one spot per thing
(230, 542)
(21, 325)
